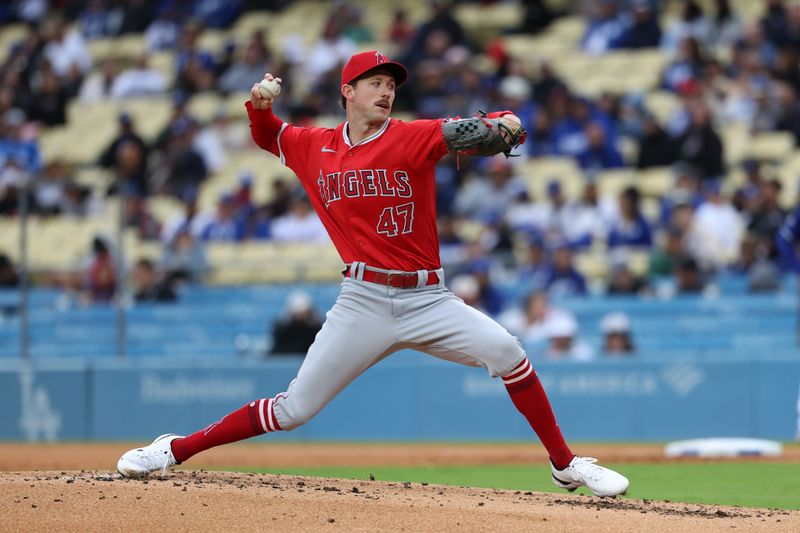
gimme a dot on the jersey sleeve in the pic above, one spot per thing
(424, 141)
(278, 137)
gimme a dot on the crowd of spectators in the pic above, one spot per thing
(723, 69)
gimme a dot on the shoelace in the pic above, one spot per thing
(156, 460)
(585, 466)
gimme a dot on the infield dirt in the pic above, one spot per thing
(50, 497)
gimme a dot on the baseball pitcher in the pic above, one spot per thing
(371, 181)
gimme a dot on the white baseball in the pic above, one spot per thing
(269, 88)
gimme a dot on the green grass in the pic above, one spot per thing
(753, 484)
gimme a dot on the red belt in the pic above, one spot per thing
(398, 280)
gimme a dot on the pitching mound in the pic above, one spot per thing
(218, 501)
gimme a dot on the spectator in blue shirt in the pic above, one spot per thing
(599, 154)
(643, 30)
(630, 228)
(786, 240)
(605, 31)
(563, 278)
(14, 148)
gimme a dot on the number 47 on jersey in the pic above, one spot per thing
(397, 220)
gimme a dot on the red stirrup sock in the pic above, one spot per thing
(526, 392)
(253, 419)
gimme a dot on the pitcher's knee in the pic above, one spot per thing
(506, 352)
(291, 414)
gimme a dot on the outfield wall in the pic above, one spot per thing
(406, 397)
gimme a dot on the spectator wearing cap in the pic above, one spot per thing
(563, 279)
(606, 29)
(490, 298)
(294, 332)
(564, 344)
(630, 228)
(678, 204)
(139, 80)
(126, 134)
(642, 29)
(599, 154)
(300, 223)
(195, 68)
(163, 32)
(536, 266)
(688, 277)
(700, 145)
(224, 224)
(541, 142)
(569, 133)
(15, 147)
(185, 168)
(656, 148)
(616, 329)
(716, 231)
(129, 163)
(767, 217)
(753, 179)
(147, 287)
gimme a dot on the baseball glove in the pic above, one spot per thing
(484, 135)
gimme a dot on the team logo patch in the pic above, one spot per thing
(380, 58)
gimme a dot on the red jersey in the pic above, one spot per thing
(377, 199)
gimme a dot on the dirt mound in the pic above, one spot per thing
(214, 501)
(76, 456)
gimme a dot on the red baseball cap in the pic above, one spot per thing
(365, 61)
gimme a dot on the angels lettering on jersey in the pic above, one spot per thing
(363, 183)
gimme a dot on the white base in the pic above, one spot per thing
(724, 447)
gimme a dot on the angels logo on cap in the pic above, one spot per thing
(360, 64)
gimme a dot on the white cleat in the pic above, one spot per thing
(582, 471)
(156, 456)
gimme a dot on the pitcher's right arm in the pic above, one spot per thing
(265, 127)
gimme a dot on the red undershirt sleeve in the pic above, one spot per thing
(264, 128)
